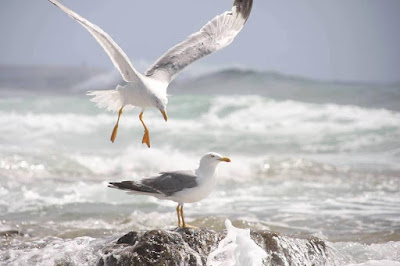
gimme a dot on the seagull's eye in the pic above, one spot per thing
(212, 156)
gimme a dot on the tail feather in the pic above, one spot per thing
(108, 99)
(131, 186)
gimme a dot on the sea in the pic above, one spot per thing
(302, 164)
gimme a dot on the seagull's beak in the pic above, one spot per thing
(225, 159)
(164, 113)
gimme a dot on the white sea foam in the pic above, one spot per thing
(78, 251)
(377, 263)
(256, 113)
(373, 254)
(137, 220)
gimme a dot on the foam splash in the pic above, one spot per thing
(237, 248)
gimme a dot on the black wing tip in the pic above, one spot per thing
(243, 7)
(119, 183)
(131, 186)
(113, 185)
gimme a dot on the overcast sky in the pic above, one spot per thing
(336, 40)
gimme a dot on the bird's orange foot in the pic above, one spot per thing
(114, 133)
(189, 226)
(146, 138)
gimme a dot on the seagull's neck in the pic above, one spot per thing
(206, 169)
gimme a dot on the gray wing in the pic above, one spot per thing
(215, 35)
(117, 56)
(169, 183)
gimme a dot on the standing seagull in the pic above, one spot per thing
(179, 186)
(150, 89)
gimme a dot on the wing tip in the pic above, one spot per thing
(243, 7)
(54, 2)
(112, 185)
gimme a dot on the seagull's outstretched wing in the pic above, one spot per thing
(117, 56)
(215, 35)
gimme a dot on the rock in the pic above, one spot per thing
(10, 233)
(192, 246)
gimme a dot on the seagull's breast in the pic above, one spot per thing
(143, 94)
(205, 185)
(136, 94)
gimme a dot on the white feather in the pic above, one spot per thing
(109, 99)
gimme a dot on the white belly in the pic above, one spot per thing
(204, 188)
(136, 95)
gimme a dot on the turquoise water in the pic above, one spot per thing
(326, 170)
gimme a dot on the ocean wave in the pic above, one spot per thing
(133, 162)
(245, 123)
(279, 86)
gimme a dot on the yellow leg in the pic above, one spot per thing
(183, 219)
(146, 136)
(179, 215)
(185, 225)
(115, 131)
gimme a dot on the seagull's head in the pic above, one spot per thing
(161, 104)
(213, 159)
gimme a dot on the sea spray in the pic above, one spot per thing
(237, 249)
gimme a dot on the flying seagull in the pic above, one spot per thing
(150, 89)
(179, 186)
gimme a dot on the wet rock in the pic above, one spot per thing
(290, 250)
(192, 246)
(10, 233)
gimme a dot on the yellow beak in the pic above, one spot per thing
(225, 159)
(164, 113)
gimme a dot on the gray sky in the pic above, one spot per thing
(337, 39)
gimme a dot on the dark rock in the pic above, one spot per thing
(130, 238)
(10, 233)
(192, 246)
